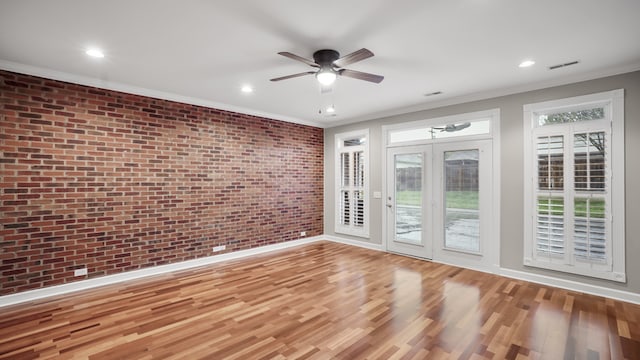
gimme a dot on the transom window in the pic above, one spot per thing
(441, 131)
(575, 185)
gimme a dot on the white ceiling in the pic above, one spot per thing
(202, 52)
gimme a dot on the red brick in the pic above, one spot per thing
(118, 182)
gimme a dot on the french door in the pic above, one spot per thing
(439, 201)
(409, 218)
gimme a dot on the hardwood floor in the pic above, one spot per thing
(323, 301)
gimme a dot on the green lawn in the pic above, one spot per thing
(469, 200)
(411, 198)
(462, 199)
(554, 206)
(455, 199)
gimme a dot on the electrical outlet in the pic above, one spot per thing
(303, 233)
(219, 248)
(80, 272)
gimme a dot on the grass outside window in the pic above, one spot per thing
(583, 207)
(455, 199)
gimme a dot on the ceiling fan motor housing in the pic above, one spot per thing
(325, 57)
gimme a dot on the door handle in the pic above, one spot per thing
(389, 206)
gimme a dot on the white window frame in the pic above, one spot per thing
(351, 229)
(613, 126)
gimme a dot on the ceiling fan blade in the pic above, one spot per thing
(353, 57)
(361, 75)
(293, 76)
(298, 58)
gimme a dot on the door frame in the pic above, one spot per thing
(492, 246)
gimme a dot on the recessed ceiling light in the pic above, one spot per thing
(247, 89)
(96, 53)
(331, 109)
(526, 63)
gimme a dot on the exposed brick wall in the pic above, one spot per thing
(117, 182)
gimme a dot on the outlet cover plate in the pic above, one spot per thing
(219, 248)
(80, 272)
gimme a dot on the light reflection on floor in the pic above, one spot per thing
(407, 287)
(460, 314)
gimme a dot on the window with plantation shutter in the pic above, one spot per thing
(571, 195)
(352, 183)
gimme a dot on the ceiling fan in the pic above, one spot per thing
(330, 65)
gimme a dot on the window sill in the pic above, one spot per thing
(598, 274)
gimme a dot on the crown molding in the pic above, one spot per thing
(494, 93)
(136, 90)
(477, 96)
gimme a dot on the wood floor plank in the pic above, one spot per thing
(323, 301)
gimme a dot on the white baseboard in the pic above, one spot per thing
(362, 244)
(36, 294)
(572, 285)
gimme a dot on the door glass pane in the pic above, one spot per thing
(462, 222)
(408, 195)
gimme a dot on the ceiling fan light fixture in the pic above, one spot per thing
(326, 76)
